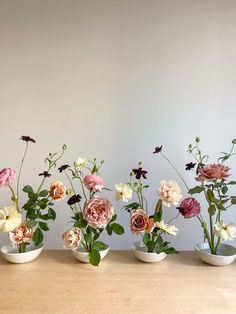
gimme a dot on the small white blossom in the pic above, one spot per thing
(123, 192)
(80, 163)
(170, 229)
(225, 232)
(10, 218)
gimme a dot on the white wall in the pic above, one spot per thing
(113, 79)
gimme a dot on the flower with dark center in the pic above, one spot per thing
(74, 199)
(139, 173)
(27, 139)
(63, 167)
(45, 174)
(190, 166)
(157, 150)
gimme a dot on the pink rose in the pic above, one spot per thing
(94, 183)
(189, 207)
(72, 238)
(98, 212)
(7, 175)
(21, 234)
(213, 172)
(140, 222)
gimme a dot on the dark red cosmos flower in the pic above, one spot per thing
(27, 139)
(157, 149)
(190, 166)
(63, 167)
(45, 174)
(74, 199)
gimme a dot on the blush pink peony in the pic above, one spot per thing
(140, 222)
(72, 238)
(93, 183)
(98, 212)
(21, 234)
(213, 172)
(7, 175)
(189, 207)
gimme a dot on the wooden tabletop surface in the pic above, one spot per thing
(57, 283)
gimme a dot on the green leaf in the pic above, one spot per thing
(80, 223)
(113, 218)
(43, 226)
(150, 245)
(132, 206)
(28, 189)
(231, 182)
(51, 213)
(211, 196)
(38, 236)
(94, 257)
(212, 210)
(171, 250)
(146, 238)
(109, 230)
(117, 228)
(31, 223)
(96, 236)
(44, 217)
(233, 200)
(33, 196)
(196, 189)
(224, 189)
(43, 193)
(31, 214)
(88, 238)
(99, 246)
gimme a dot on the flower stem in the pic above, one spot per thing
(19, 175)
(21, 247)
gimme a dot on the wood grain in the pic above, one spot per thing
(57, 283)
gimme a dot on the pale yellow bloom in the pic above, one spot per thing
(170, 193)
(80, 163)
(10, 218)
(225, 232)
(123, 192)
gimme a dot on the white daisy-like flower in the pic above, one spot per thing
(10, 218)
(170, 229)
(225, 232)
(80, 163)
(123, 192)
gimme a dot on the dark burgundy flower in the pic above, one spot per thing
(27, 139)
(190, 166)
(45, 174)
(158, 149)
(74, 199)
(139, 173)
(63, 167)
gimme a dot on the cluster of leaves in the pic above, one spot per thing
(216, 192)
(91, 236)
(38, 210)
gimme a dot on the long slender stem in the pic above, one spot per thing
(19, 175)
(172, 219)
(176, 170)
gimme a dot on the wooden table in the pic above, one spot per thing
(57, 283)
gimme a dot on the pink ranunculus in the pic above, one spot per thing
(189, 207)
(93, 183)
(140, 222)
(21, 234)
(7, 175)
(72, 238)
(98, 212)
(213, 172)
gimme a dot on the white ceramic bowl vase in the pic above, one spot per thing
(11, 254)
(81, 255)
(140, 251)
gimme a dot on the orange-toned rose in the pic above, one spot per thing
(213, 172)
(140, 222)
(57, 190)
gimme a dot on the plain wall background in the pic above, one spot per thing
(113, 79)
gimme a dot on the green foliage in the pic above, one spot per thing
(88, 238)
(196, 189)
(38, 236)
(117, 228)
(212, 209)
(99, 246)
(94, 257)
(43, 226)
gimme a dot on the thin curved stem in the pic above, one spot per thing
(19, 175)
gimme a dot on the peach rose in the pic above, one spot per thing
(21, 234)
(140, 222)
(57, 190)
(98, 212)
(213, 172)
(72, 238)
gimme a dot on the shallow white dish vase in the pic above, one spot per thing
(11, 254)
(140, 251)
(81, 255)
(226, 254)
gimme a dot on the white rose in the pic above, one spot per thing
(80, 163)
(123, 192)
(10, 218)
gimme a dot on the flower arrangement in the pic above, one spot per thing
(151, 226)
(28, 222)
(213, 182)
(95, 215)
